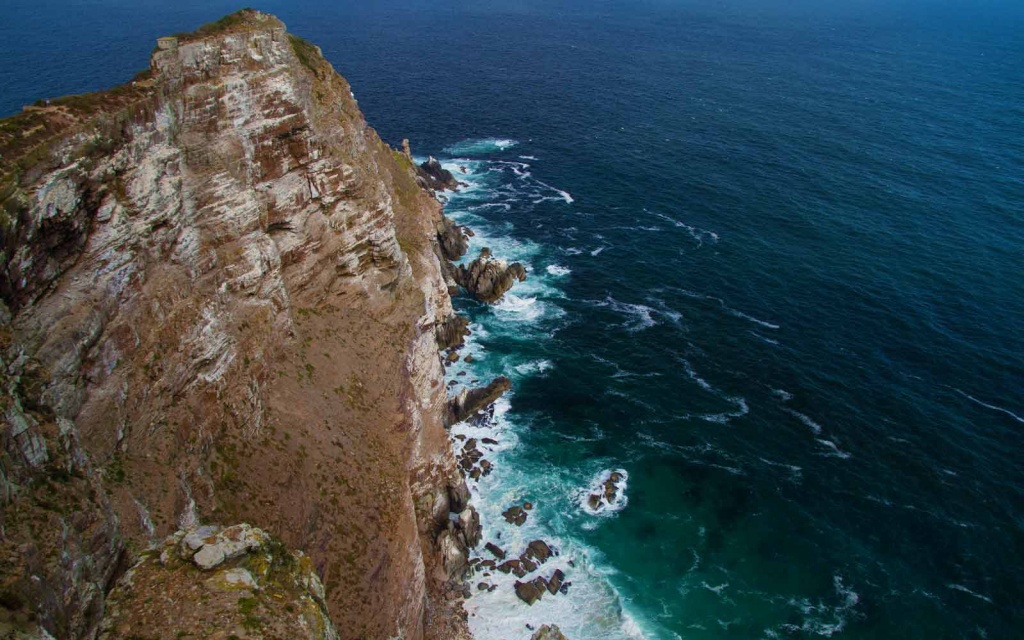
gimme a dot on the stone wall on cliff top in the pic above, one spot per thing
(220, 291)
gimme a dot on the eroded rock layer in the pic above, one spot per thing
(221, 294)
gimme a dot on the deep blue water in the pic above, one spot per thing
(786, 296)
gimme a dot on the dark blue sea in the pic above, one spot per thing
(776, 279)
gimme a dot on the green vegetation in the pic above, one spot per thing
(230, 22)
(306, 52)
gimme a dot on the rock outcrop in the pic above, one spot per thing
(258, 589)
(435, 177)
(452, 331)
(470, 401)
(219, 296)
(453, 239)
(488, 278)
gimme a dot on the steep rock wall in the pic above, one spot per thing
(221, 294)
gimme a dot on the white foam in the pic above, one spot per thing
(597, 251)
(481, 146)
(537, 366)
(696, 233)
(605, 506)
(833, 449)
(814, 426)
(961, 588)
(638, 316)
(558, 270)
(991, 406)
(822, 619)
(513, 307)
(740, 314)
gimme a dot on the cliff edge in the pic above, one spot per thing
(222, 295)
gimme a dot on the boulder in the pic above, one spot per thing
(548, 632)
(469, 523)
(458, 496)
(515, 515)
(454, 554)
(555, 583)
(528, 592)
(539, 550)
(495, 550)
(515, 567)
(208, 547)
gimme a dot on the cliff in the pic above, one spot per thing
(222, 299)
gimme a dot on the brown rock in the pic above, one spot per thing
(488, 278)
(555, 583)
(514, 567)
(470, 401)
(515, 515)
(495, 550)
(539, 550)
(548, 632)
(528, 592)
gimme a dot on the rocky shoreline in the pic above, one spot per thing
(487, 279)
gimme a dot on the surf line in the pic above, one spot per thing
(989, 406)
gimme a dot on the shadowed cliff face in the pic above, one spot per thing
(221, 294)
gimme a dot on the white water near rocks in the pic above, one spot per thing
(592, 608)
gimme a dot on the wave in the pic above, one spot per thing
(538, 366)
(696, 233)
(480, 146)
(961, 588)
(733, 312)
(739, 402)
(638, 315)
(822, 619)
(593, 607)
(564, 194)
(814, 426)
(990, 406)
(521, 309)
(833, 449)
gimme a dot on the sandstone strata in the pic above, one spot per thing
(220, 299)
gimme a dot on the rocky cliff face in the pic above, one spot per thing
(222, 298)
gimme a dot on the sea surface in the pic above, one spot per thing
(776, 277)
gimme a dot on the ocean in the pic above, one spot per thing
(776, 280)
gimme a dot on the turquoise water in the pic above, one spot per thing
(775, 256)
